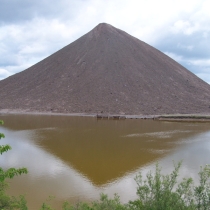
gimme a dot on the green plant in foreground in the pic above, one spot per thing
(9, 202)
(162, 192)
(104, 203)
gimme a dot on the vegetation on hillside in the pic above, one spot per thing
(156, 192)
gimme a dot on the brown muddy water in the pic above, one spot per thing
(77, 158)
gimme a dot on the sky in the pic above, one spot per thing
(32, 30)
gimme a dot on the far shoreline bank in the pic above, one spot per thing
(200, 117)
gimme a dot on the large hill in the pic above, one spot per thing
(106, 71)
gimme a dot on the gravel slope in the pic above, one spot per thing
(106, 71)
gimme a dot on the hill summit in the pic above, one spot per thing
(106, 71)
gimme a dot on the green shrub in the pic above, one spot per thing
(162, 192)
(9, 202)
(103, 204)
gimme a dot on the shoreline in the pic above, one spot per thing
(200, 117)
(98, 116)
(185, 118)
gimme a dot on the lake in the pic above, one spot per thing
(77, 158)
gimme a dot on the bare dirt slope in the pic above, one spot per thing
(106, 71)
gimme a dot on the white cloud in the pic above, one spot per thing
(24, 45)
(194, 21)
(185, 27)
(201, 62)
(195, 62)
(4, 73)
(204, 76)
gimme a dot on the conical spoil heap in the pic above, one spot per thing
(106, 71)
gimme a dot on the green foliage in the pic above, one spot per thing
(46, 205)
(4, 148)
(103, 204)
(78, 206)
(109, 204)
(160, 191)
(202, 192)
(10, 202)
(11, 172)
(1, 134)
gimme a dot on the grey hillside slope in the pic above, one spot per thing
(106, 71)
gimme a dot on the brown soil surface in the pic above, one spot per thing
(106, 71)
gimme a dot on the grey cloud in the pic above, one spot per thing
(179, 43)
(189, 48)
(14, 11)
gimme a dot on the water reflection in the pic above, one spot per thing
(77, 158)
